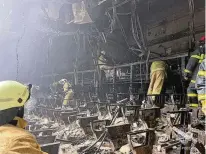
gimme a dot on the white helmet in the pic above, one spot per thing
(62, 81)
(103, 52)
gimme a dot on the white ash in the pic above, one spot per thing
(70, 132)
(30, 105)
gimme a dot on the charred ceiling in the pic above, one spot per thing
(126, 30)
(165, 26)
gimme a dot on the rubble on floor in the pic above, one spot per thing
(71, 132)
(103, 134)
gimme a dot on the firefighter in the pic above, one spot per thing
(105, 64)
(157, 75)
(106, 71)
(14, 138)
(201, 85)
(191, 70)
(68, 92)
(102, 62)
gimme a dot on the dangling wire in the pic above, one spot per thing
(77, 40)
(191, 22)
(48, 57)
(17, 47)
(33, 44)
(49, 48)
(140, 68)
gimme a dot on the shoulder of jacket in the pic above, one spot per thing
(23, 144)
(24, 137)
(15, 131)
(15, 135)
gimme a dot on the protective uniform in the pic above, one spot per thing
(102, 62)
(105, 66)
(201, 85)
(14, 139)
(157, 75)
(191, 72)
(67, 90)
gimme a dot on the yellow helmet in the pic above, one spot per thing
(13, 95)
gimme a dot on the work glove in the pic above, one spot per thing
(186, 77)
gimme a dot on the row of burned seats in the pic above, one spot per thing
(89, 122)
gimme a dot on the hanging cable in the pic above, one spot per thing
(123, 32)
(134, 35)
(147, 65)
(139, 39)
(77, 40)
(137, 34)
(34, 41)
(49, 49)
(50, 43)
(115, 20)
(95, 61)
(110, 21)
(141, 72)
(17, 46)
(191, 23)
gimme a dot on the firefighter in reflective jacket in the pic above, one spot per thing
(157, 75)
(201, 85)
(191, 72)
(14, 138)
(67, 88)
(102, 62)
(105, 64)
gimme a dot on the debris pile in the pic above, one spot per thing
(31, 104)
(75, 148)
(109, 132)
(71, 132)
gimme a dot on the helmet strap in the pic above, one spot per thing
(13, 122)
(20, 112)
(19, 122)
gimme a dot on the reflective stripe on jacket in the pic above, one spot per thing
(193, 64)
(158, 66)
(102, 62)
(200, 81)
(68, 96)
(15, 140)
(66, 86)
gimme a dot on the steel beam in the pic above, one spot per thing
(185, 54)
